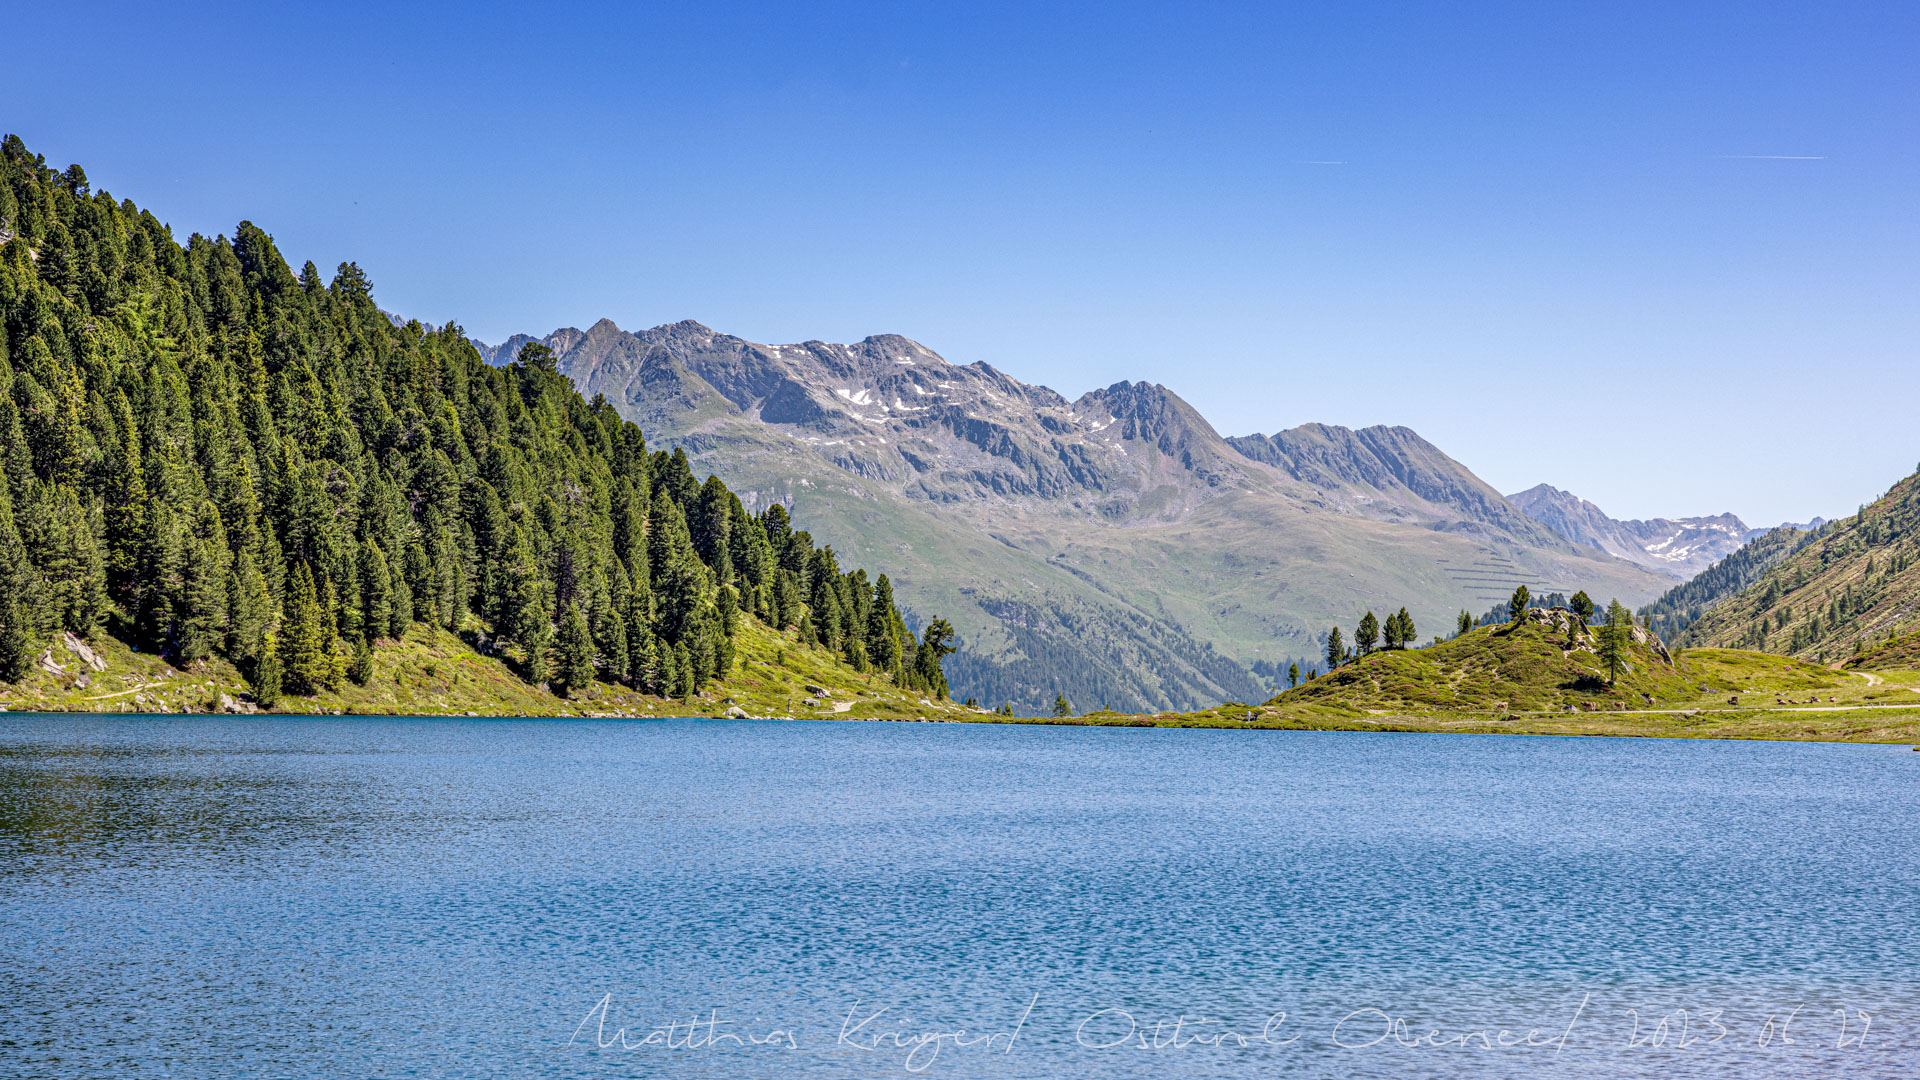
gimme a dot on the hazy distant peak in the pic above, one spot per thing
(1681, 547)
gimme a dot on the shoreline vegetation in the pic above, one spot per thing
(1705, 694)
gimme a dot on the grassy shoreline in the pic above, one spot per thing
(1539, 687)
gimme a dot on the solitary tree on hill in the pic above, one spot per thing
(1293, 675)
(1061, 707)
(1463, 625)
(1367, 633)
(1614, 638)
(1336, 648)
(1517, 607)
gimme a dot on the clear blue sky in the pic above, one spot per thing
(1666, 255)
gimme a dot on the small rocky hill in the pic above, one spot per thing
(1548, 661)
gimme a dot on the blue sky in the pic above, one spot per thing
(1665, 255)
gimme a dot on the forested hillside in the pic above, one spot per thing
(209, 455)
(1854, 585)
(1683, 605)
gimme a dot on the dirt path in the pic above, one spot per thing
(1908, 707)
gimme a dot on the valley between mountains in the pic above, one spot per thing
(1115, 547)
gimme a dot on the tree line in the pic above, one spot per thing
(1396, 633)
(1613, 638)
(210, 455)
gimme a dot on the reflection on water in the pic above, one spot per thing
(384, 897)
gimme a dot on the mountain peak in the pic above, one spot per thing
(1679, 547)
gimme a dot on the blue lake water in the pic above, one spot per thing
(363, 897)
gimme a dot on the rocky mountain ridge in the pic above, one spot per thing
(1114, 546)
(1677, 547)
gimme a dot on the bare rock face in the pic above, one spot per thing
(1563, 621)
(83, 651)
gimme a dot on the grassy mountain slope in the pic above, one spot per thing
(1855, 584)
(430, 672)
(1901, 652)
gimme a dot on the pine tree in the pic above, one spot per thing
(265, 680)
(1407, 634)
(573, 653)
(728, 611)
(883, 648)
(1582, 606)
(306, 641)
(1368, 633)
(251, 610)
(376, 591)
(1061, 707)
(1615, 639)
(935, 643)
(1336, 648)
(682, 672)
(610, 641)
(679, 579)
(19, 622)
(1293, 675)
(1517, 606)
(1464, 625)
(362, 668)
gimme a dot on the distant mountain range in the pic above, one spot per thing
(1114, 547)
(1684, 604)
(1677, 547)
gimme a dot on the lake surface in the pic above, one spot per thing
(364, 897)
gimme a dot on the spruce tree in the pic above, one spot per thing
(1517, 605)
(935, 643)
(306, 639)
(1615, 640)
(265, 680)
(1368, 633)
(573, 653)
(19, 619)
(376, 591)
(1582, 606)
(1336, 648)
(361, 670)
(679, 580)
